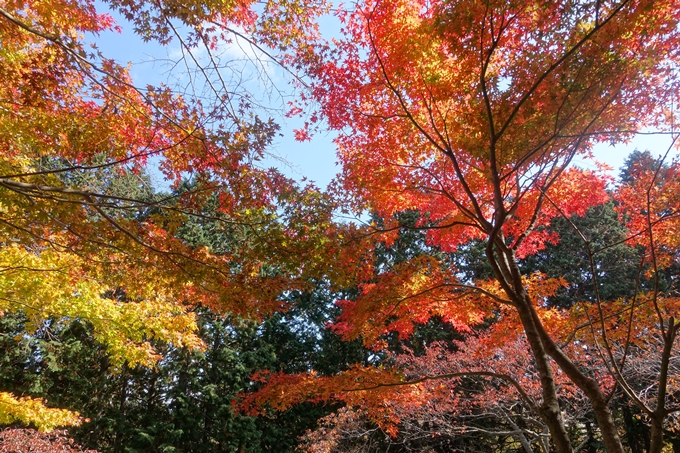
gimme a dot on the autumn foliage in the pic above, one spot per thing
(468, 116)
(83, 233)
(471, 113)
(27, 440)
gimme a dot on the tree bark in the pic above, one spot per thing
(509, 276)
(590, 388)
(656, 440)
(543, 348)
(636, 431)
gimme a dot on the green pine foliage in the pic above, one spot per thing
(615, 265)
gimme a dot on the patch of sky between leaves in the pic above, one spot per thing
(615, 155)
(269, 84)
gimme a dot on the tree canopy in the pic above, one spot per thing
(493, 288)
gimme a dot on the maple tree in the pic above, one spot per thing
(500, 367)
(471, 114)
(464, 114)
(24, 440)
(75, 243)
(479, 413)
(134, 408)
(650, 205)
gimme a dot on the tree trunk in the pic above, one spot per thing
(550, 410)
(590, 388)
(656, 441)
(656, 438)
(603, 416)
(509, 276)
(636, 431)
(543, 348)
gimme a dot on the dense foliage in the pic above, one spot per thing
(497, 296)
